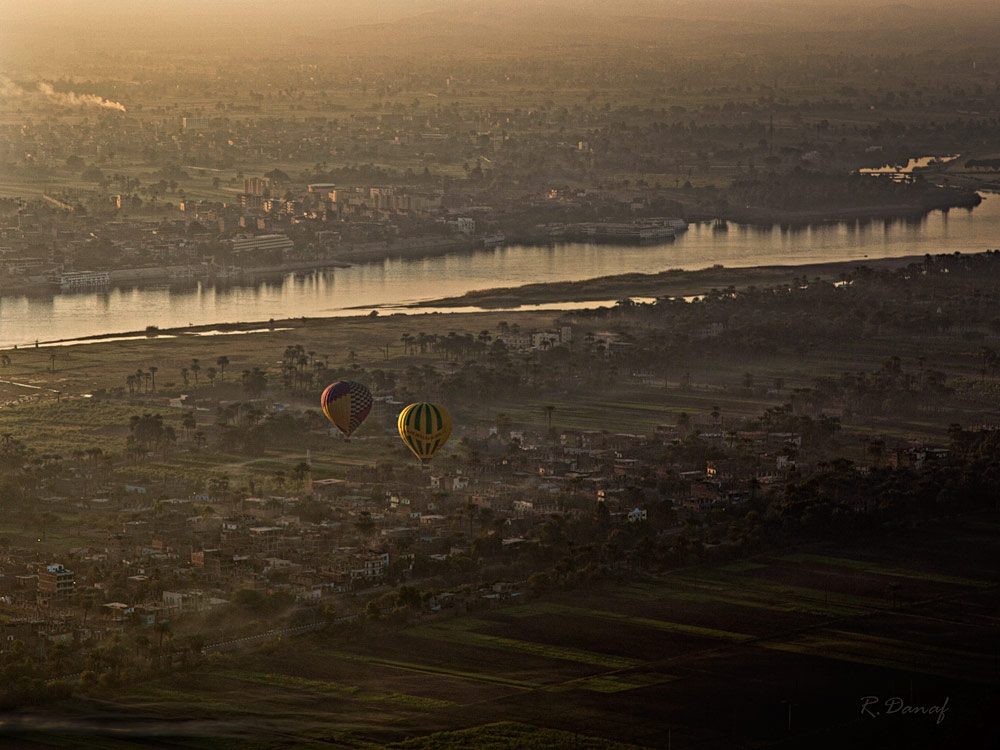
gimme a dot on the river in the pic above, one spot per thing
(358, 289)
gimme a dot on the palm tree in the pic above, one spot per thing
(195, 368)
(162, 628)
(223, 363)
(153, 369)
(86, 605)
(254, 382)
(189, 423)
(301, 470)
(548, 415)
(184, 374)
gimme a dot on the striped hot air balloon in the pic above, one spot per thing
(346, 404)
(424, 428)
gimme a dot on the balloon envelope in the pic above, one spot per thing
(346, 404)
(424, 428)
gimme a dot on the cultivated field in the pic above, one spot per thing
(775, 651)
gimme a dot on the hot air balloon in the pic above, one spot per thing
(346, 404)
(424, 428)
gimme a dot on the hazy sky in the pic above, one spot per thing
(47, 31)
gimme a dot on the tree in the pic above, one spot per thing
(365, 526)
(162, 628)
(254, 382)
(223, 363)
(549, 410)
(189, 423)
(146, 431)
(407, 340)
(195, 368)
(153, 369)
(301, 470)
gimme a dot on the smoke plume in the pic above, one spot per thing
(70, 99)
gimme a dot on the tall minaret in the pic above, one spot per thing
(309, 474)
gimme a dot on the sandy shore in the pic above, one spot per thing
(676, 283)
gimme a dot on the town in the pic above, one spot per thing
(160, 562)
(540, 374)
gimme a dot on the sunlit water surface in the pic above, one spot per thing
(358, 289)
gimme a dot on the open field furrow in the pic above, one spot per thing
(469, 637)
(643, 622)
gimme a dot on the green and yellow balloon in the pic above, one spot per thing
(425, 429)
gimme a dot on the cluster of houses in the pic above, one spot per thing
(189, 554)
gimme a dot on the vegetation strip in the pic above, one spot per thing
(914, 659)
(854, 601)
(350, 692)
(505, 736)
(876, 569)
(464, 634)
(442, 671)
(644, 622)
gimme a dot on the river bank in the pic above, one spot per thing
(672, 283)
(178, 275)
(766, 217)
(675, 283)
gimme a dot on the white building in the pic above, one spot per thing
(251, 243)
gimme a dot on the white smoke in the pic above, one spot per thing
(70, 99)
(9, 89)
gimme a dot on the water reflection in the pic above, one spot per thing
(396, 281)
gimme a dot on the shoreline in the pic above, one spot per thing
(507, 300)
(768, 217)
(132, 278)
(672, 283)
(421, 248)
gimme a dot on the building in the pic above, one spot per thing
(55, 581)
(257, 186)
(637, 515)
(81, 280)
(262, 242)
(264, 539)
(372, 566)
